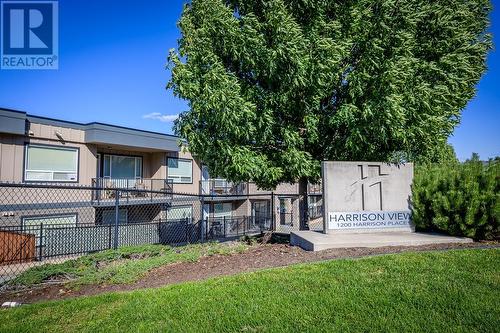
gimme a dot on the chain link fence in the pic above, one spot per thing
(47, 223)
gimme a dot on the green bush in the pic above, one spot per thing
(461, 199)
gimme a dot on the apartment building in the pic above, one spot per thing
(53, 152)
(56, 152)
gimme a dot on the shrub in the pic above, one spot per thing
(461, 199)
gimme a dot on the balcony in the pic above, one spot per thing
(129, 190)
(315, 189)
(222, 187)
(222, 227)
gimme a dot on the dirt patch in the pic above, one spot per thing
(257, 257)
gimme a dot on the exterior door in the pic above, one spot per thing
(260, 214)
(286, 211)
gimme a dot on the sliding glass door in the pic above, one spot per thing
(123, 171)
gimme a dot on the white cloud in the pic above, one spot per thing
(166, 118)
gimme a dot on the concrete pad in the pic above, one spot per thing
(316, 241)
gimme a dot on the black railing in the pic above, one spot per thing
(22, 244)
(216, 187)
(222, 227)
(138, 188)
(42, 221)
(43, 241)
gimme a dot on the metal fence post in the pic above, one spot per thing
(187, 231)
(273, 213)
(202, 217)
(306, 211)
(117, 216)
(224, 227)
(206, 230)
(40, 253)
(109, 237)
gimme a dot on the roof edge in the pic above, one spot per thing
(82, 126)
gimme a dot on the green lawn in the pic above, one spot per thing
(124, 265)
(453, 291)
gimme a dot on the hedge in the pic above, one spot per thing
(461, 199)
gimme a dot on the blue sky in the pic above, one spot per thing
(112, 57)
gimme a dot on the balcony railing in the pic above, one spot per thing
(222, 187)
(314, 188)
(230, 226)
(131, 188)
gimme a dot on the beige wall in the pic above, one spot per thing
(241, 208)
(12, 150)
(49, 132)
(11, 158)
(158, 166)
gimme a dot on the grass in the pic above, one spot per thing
(452, 291)
(125, 265)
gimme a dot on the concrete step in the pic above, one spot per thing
(317, 241)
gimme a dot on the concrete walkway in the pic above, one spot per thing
(317, 241)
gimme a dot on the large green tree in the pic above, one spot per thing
(276, 86)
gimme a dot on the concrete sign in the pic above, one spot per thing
(366, 196)
(368, 220)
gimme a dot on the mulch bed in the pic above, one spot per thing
(257, 257)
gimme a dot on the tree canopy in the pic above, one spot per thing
(276, 86)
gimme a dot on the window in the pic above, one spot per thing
(33, 224)
(180, 212)
(180, 171)
(44, 163)
(222, 210)
(285, 213)
(108, 216)
(122, 167)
